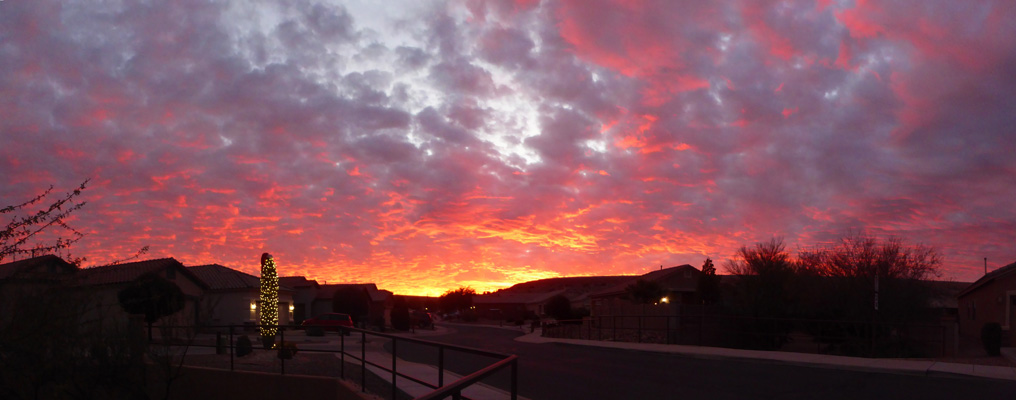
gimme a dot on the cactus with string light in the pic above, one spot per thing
(269, 299)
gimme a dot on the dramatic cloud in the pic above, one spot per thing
(428, 145)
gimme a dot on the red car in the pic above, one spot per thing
(330, 321)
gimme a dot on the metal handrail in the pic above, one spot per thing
(454, 388)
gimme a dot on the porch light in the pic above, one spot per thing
(665, 300)
(291, 308)
(253, 306)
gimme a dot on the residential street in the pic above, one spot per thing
(558, 371)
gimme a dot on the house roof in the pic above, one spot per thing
(327, 292)
(988, 278)
(516, 298)
(654, 276)
(298, 282)
(128, 272)
(218, 277)
(944, 293)
(11, 269)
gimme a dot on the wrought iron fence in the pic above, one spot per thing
(225, 341)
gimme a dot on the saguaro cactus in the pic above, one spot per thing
(269, 297)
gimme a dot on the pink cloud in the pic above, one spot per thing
(517, 140)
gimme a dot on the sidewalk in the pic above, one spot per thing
(913, 367)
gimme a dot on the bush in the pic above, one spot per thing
(991, 338)
(243, 346)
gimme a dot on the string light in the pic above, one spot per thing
(269, 296)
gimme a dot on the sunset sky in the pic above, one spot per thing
(429, 145)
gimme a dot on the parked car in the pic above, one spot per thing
(421, 319)
(330, 321)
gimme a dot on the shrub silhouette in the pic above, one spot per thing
(991, 338)
(151, 296)
(243, 346)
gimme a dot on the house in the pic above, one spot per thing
(679, 284)
(513, 306)
(42, 269)
(28, 286)
(304, 292)
(233, 297)
(990, 299)
(102, 284)
(576, 288)
(364, 302)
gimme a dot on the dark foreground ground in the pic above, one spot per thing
(560, 371)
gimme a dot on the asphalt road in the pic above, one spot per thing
(560, 371)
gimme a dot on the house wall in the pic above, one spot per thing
(231, 308)
(993, 302)
(617, 306)
(303, 299)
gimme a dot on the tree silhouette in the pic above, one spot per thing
(20, 234)
(30, 232)
(457, 299)
(559, 307)
(853, 267)
(709, 283)
(153, 297)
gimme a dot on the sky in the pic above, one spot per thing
(429, 145)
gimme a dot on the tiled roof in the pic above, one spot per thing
(121, 273)
(10, 269)
(218, 277)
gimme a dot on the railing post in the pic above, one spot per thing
(231, 347)
(440, 366)
(342, 356)
(641, 317)
(363, 361)
(515, 379)
(614, 328)
(701, 321)
(281, 347)
(394, 374)
(942, 328)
